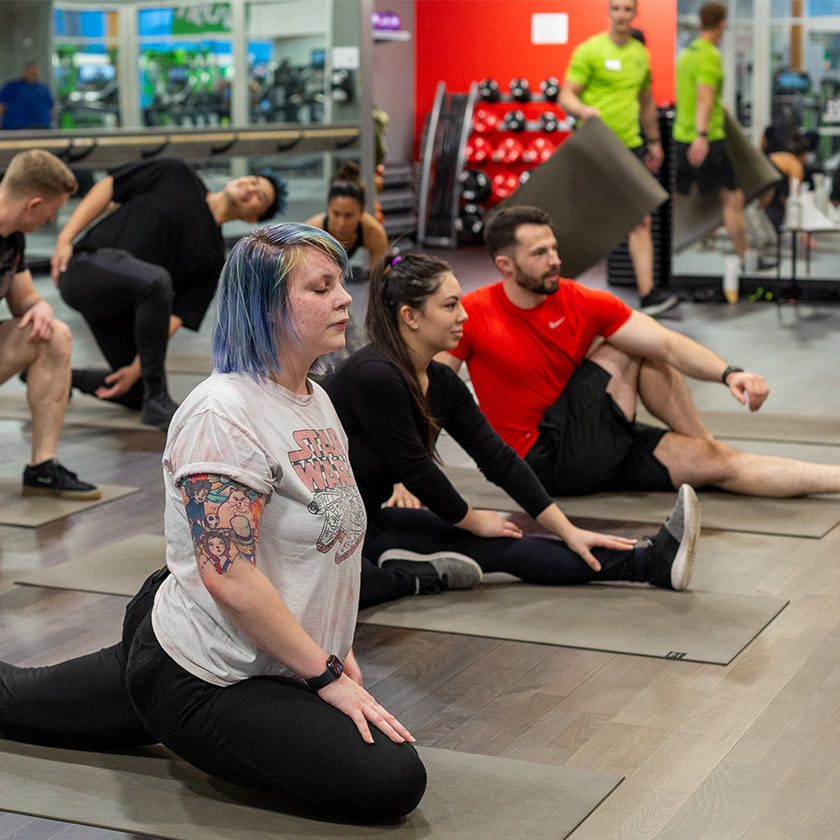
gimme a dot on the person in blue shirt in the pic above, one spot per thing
(26, 102)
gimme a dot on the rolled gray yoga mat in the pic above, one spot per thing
(696, 216)
(469, 797)
(595, 191)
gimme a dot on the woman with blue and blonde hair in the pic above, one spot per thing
(238, 655)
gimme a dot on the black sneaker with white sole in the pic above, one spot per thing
(50, 478)
(435, 572)
(657, 301)
(675, 546)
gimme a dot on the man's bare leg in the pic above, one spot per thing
(48, 380)
(640, 245)
(662, 389)
(623, 386)
(700, 462)
(666, 395)
(732, 202)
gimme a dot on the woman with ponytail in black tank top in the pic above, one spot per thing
(346, 218)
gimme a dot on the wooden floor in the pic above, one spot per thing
(745, 751)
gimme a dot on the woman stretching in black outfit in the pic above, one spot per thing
(393, 400)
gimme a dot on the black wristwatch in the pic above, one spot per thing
(728, 372)
(335, 668)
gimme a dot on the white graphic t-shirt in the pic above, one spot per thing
(293, 450)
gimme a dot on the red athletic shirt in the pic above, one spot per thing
(521, 359)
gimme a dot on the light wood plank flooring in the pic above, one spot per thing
(747, 751)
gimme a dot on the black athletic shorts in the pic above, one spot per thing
(585, 444)
(712, 176)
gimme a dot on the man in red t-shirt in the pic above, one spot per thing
(558, 370)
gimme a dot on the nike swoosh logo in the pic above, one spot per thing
(552, 325)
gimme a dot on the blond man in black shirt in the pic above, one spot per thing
(36, 185)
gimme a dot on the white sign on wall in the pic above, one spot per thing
(550, 28)
(345, 58)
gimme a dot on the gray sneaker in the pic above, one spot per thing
(435, 572)
(675, 545)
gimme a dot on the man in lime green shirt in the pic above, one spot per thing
(609, 77)
(699, 133)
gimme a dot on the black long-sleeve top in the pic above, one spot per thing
(374, 404)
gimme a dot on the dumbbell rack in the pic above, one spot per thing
(532, 109)
(443, 154)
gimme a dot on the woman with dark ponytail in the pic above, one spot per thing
(346, 218)
(394, 399)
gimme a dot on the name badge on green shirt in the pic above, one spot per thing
(613, 64)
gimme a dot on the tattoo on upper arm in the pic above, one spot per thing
(224, 520)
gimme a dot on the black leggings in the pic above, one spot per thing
(266, 733)
(539, 560)
(126, 303)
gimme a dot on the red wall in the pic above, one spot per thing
(461, 41)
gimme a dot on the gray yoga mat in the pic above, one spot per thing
(696, 216)
(34, 511)
(808, 517)
(115, 569)
(193, 363)
(702, 626)
(784, 428)
(85, 410)
(81, 411)
(469, 797)
(590, 172)
(693, 626)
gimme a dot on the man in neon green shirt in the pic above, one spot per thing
(609, 77)
(699, 132)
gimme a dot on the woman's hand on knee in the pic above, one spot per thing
(403, 498)
(489, 523)
(362, 709)
(582, 542)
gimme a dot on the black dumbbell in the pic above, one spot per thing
(550, 88)
(488, 90)
(471, 221)
(520, 90)
(515, 121)
(548, 121)
(475, 185)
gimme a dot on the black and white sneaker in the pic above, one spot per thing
(50, 478)
(657, 301)
(675, 546)
(435, 572)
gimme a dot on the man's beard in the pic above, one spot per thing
(546, 284)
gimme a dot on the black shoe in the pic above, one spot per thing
(675, 545)
(158, 410)
(49, 478)
(435, 572)
(657, 301)
(88, 380)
